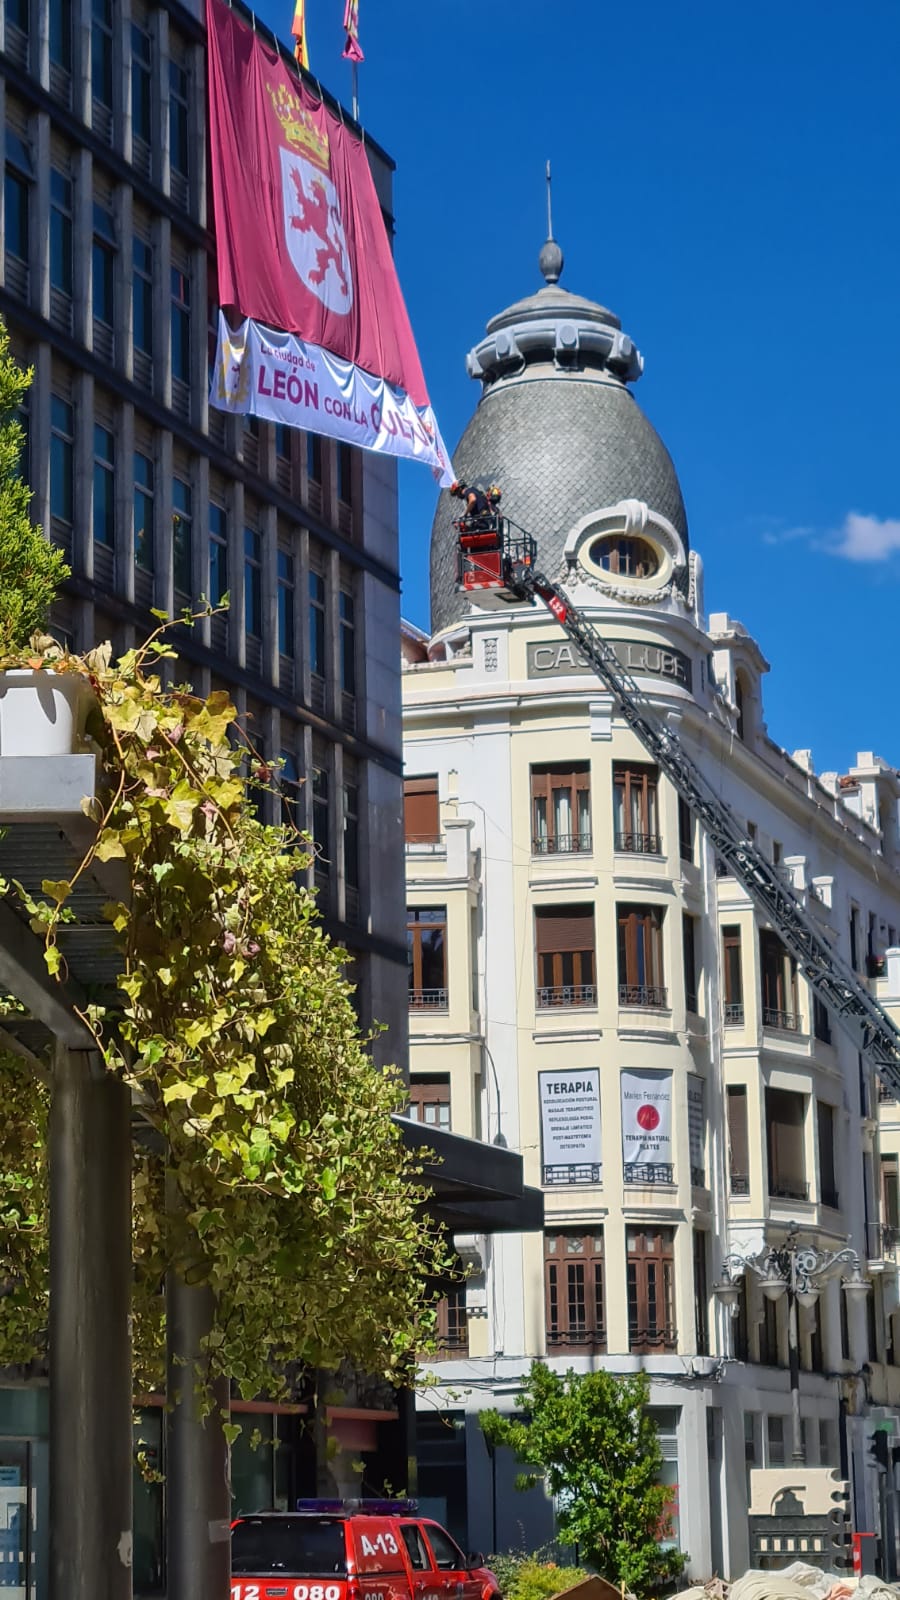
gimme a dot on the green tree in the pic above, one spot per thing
(592, 1440)
(31, 570)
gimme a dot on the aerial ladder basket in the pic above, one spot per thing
(488, 557)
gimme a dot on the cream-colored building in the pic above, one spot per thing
(587, 988)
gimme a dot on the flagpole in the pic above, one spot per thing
(354, 89)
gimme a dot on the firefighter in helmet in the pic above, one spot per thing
(480, 504)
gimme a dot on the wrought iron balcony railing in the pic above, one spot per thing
(572, 1172)
(739, 1183)
(649, 1172)
(566, 994)
(640, 844)
(643, 994)
(428, 999)
(562, 844)
(789, 1189)
(734, 1013)
(786, 1021)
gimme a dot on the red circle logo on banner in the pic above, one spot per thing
(648, 1118)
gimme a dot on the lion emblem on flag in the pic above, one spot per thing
(314, 231)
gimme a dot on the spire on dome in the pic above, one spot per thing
(550, 259)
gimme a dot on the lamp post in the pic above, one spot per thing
(798, 1271)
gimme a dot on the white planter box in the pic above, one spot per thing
(43, 713)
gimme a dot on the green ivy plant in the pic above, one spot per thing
(272, 1171)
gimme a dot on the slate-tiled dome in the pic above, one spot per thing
(557, 428)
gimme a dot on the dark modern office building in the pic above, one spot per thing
(109, 291)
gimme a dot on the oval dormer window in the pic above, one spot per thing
(625, 557)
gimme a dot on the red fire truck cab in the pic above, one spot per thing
(352, 1550)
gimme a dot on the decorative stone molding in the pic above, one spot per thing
(490, 653)
(631, 519)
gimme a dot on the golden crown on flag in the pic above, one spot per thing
(298, 125)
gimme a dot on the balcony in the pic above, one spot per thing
(739, 1184)
(566, 994)
(562, 844)
(644, 995)
(649, 1172)
(733, 1013)
(886, 1096)
(428, 999)
(698, 1178)
(571, 1172)
(425, 844)
(576, 1339)
(883, 1241)
(784, 1021)
(789, 1189)
(640, 844)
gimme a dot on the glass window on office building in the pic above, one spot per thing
(253, 582)
(218, 554)
(179, 137)
(60, 29)
(142, 295)
(286, 645)
(182, 537)
(16, 16)
(143, 512)
(17, 200)
(347, 615)
(102, 52)
(62, 474)
(104, 512)
(60, 232)
(141, 84)
(103, 266)
(181, 325)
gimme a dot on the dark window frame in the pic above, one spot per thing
(636, 801)
(422, 921)
(103, 487)
(548, 780)
(287, 593)
(569, 1292)
(639, 949)
(144, 527)
(182, 536)
(253, 603)
(650, 1263)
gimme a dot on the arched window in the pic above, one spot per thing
(625, 557)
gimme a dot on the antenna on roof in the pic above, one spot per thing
(549, 203)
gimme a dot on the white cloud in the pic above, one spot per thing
(864, 538)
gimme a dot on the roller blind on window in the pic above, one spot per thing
(564, 928)
(421, 813)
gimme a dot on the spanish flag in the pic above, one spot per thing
(298, 29)
(352, 51)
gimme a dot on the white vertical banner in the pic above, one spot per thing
(696, 1128)
(646, 1118)
(570, 1126)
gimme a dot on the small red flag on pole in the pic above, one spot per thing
(298, 29)
(352, 51)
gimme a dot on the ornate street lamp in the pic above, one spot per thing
(799, 1271)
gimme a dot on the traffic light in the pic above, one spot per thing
(839, 1518)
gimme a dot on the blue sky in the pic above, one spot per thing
(725, 178)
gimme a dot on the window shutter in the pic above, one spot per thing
(421, 810)
(737, 1131)
(562, 929)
